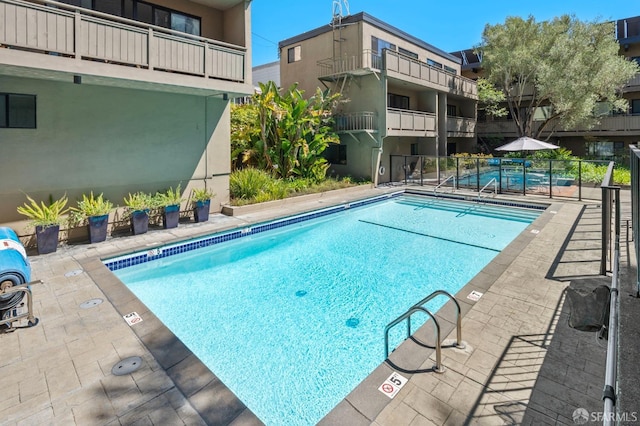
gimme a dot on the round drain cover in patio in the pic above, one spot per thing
(126, 366)
(90, 303)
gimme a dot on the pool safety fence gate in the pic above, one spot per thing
(559, 178)
(610, 261)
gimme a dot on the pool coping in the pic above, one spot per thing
(218, 405)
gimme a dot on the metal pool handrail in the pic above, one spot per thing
(436, 293)
(493, 181)
(407, 316)
(435, 190)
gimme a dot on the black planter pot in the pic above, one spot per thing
(47, 238)
(139, 222)
(98, 228)
(201, 211)
(170, 216)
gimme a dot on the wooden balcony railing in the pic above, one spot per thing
(616, 124)
(461, 125)
(415, 121)
(396, 62)
(88, 35)
(414, 68)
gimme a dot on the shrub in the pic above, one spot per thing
(249, 183)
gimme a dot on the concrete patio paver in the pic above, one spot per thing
(59, 372)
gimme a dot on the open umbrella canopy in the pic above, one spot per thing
(526, 143)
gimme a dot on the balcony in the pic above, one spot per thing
(406, 68)
(402, 122)
(365, 63)
(356, 122)
(461, 126)
(632, 85)
(79, 41)
(616, 125)
(398, 66)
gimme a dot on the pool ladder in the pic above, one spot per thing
(438, 368)
(452, 177)
(482, 194)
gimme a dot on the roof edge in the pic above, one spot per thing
(365, 17)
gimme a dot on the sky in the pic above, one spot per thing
(447, 25)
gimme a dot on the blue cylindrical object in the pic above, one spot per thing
(9, 234)
(14, 266)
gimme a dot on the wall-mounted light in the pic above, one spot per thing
(77, 79)
(626, 47)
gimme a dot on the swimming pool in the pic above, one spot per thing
(298, 312)
(511, 179)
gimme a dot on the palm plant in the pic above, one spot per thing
(44, 215)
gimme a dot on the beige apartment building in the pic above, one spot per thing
(610, 139)
(403, 96)
(118, 96)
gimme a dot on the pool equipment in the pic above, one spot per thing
(15, 277)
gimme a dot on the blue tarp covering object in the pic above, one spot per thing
(14, 266)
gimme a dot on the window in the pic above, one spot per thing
(17, 111)
(398, 101)
(434, 63)
(408, 53)
(635, 106)
(600, 150)
(542, 113)
(451, 110)
(450, 70)
(336, 154)
(143, 12)
(378, 44)
(294, 54)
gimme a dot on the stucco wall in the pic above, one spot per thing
(111, 140)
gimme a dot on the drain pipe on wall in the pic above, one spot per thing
(377, 154)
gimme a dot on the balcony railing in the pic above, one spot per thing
(414, 121)
(632, 85)
(88, 35)
(611, 124)
(368, 60)
(414, 68)
(461, 125)
(358, 121)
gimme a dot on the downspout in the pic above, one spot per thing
(377, 150)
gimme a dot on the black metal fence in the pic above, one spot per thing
(634, 160)
(577, 179)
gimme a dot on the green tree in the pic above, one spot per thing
(284, 133)
(490, 99)
(560, 71)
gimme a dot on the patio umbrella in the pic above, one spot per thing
(526, 143)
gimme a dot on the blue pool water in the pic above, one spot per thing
(512, 179)
(292, 319)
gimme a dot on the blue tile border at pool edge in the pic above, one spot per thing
(131, 259)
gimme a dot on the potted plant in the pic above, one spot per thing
(95, 210)
(170, 201)
(138, 206)
(201, 199)
(47, 220)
